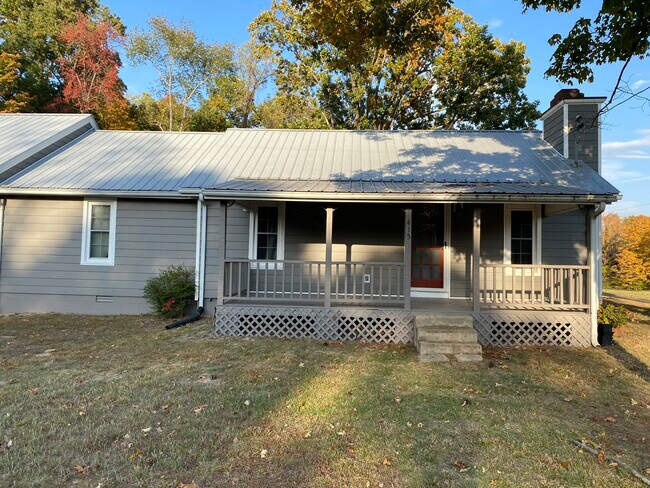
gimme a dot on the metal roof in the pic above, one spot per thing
(268, 163)
(23, 135)
(506, 162)
(122, 161)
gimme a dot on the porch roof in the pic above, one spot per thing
(458, 165)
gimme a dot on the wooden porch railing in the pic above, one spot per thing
(539, 287)
(305, 281)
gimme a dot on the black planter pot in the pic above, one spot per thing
(605, 334)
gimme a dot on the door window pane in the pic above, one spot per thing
(521, 242)
(267, 233)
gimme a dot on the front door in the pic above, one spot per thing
(428, 240)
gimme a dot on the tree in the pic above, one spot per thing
(186, 66)
(30, 29)
(375, 64)
(285, 111)
(152, 114)
(620, 32)
(90, 65)
(11, 99)
(626, 250)
(480, 80)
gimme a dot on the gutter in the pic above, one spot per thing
(405, 197)
(171, 194)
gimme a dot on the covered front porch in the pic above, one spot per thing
(384, 264)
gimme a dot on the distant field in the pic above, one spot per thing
(628, 294)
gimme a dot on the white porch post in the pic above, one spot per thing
(476, 260)
(329, 221)
(594, 297)
(221, 254)
(408, 221)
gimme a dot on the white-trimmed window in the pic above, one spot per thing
(98, 240)
(267, 234)
(522, 234)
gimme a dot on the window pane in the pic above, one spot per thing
(522, 223)
(267, 232)
(100, 217)
(99, 244)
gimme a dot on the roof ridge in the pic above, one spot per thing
(166, 132)
(397, 131)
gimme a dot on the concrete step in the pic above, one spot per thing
(432, 320)
(447, 334)
(427, 348)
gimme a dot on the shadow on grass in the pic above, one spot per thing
(628, 361)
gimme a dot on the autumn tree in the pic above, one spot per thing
(375, 64)
(626, 251)
(90, 68)
(30, 29)
(618, 33)
(11, 98)
(186, 66)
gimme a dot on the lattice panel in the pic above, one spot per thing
(515, 328)
(334, 324)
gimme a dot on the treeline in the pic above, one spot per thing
(626, 251)
(308, 64)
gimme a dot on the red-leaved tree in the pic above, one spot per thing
(90, 65)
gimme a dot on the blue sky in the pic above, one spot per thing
(626, 130)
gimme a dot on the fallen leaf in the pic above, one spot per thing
(307, 435)
(263, 453)
(386, 462)
(165, 409)
(200, 408)
(633, 401)
(398, 399)
(462, 467)
(601, 456)
(81, 469)
(147, 429)
(136, 454)
(610, 419)
(568, 399)
(565, 465)
(247, 403)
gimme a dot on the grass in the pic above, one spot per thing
(628, 294)
(118, 401)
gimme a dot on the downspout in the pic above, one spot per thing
(199, 265)
(3, 203)
(594, 295)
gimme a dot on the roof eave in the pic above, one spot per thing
(39, 192)
(407, 197)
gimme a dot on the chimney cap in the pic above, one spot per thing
(567, 94)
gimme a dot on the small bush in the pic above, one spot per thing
(171, 291)
(614, 315)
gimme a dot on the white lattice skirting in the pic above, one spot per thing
(513, 328)
(333, 324)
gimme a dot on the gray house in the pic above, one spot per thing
(445, 239)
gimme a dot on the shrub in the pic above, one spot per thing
(171, 291)
(614, 315)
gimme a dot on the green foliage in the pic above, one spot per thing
(11, 99)
(378, 64)
(186, 66)
(171, 291)
(619, 32)
(614, 315)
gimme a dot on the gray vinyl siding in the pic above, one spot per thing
(237, 230)
(588, 145)
(564, 238)
(554, 130)
(43, 153)
(41, 254)
(462, 245)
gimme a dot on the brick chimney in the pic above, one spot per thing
(570, 109)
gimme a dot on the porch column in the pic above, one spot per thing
(221, 253)
(408, 220)
(329, 221)
(476, 260)
(592, 287)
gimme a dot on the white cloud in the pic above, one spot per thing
(638, 148)
(495, 23)
(617, 172)
(638, 84)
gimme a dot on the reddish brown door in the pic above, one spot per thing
(428, 251)
(427, 267)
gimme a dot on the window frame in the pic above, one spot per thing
(86, 260)
(507, 233)
(253, 234)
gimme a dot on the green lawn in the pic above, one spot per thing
(119, 402)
